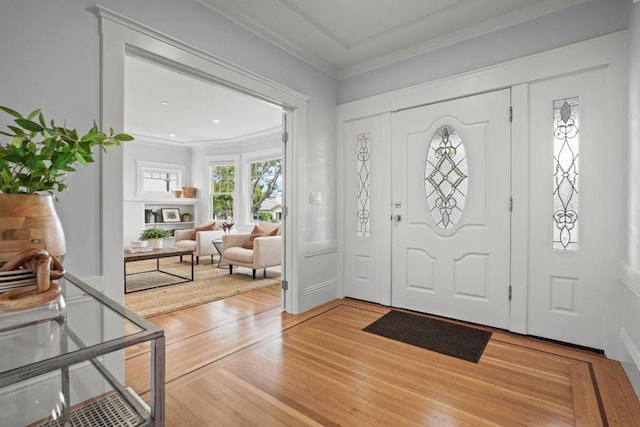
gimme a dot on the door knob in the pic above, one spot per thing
(396, 218)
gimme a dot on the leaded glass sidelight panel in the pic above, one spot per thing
(565, 173)
(362, 195)
(446, 176)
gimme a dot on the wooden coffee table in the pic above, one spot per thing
(157, 254)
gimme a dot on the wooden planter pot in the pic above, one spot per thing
(29, 221)
(32, 244)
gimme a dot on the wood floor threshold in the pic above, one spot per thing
(185, 338)
(239, 349)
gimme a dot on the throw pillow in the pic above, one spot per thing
(268, 227)
(256, 232)
(203, 227)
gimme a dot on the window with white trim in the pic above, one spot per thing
(158, 179)
(265, 189)
(223, 188)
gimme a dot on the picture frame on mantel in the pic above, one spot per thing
(170, 215)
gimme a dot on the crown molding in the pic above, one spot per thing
(242, 140)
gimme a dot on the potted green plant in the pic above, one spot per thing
(154, 236)
(35, 158)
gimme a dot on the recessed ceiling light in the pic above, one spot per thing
(172, 135)
(216, 121)
(164, 102)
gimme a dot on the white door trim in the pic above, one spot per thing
(606, 52)
(120, 35)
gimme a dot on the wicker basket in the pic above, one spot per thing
(189, 192)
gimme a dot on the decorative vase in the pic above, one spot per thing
(31, 240)
(29, 221)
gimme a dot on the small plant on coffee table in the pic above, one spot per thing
(154, 233)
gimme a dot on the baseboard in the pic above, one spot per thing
(630, 278)
(319, 281)
(631, 364)
(319, 293)
(318, 287)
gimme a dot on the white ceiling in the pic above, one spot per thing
(341, 37)
(191, 107)
(347, 37)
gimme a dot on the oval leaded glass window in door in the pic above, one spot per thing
(446, 177)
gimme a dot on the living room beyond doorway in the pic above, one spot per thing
(190, 132)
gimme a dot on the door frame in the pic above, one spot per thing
(121, 35)
(607, 52)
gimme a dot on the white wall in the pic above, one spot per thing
(630, 342)
(55, 66)
(51, 54)
(586, 20)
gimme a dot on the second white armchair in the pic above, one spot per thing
(266, 251)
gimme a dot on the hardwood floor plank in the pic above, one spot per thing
(205, 347)
(585, 400)
(614, 388)
(233, 367)
(201, 318)
(429, 369)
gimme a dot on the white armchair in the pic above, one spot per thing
(201, 245)
(266, 252)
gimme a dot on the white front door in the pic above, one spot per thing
(451, 168)
(567, 277)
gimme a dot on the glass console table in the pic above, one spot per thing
(62, 363)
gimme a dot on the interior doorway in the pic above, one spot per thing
(193, 133)
(121, 37)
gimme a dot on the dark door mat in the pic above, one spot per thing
(447, 338)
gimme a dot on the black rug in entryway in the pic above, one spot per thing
(448, 338)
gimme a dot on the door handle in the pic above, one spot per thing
(396, 218)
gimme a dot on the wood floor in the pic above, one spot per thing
(241, 361)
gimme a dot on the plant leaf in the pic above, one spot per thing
(16, 130)
(10, 111)
(33, 114)
(80, 158)
(124, 137)
(29, 125)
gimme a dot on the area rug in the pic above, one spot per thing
(150, 279)
(448, 338)
(210, 284)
